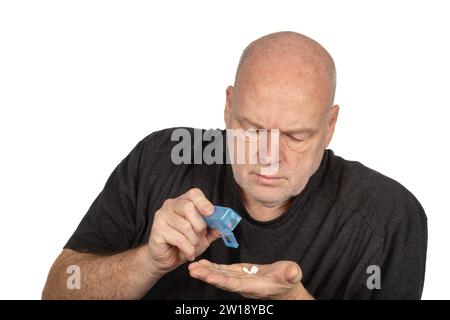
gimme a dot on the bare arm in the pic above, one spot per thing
(178, 234)
(126, 275)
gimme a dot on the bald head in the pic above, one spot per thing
(289, 57)
(285, 81)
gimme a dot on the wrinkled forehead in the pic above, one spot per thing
(289, 90)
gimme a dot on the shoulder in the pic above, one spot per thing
(166, 139)
(162, 140)
(382, 201)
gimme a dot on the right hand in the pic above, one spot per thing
(179, 232)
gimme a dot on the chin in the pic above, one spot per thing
(268, 196)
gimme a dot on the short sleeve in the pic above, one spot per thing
(401, 260)
(110, 223)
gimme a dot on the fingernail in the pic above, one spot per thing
(207, 209)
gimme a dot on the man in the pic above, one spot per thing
(319, 227)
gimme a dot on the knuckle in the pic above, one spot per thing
(195, 192)
(158, 215)
(188, 207)
(157, 227)
(167, 203)
(202, 227)
(190, 250)
(178, 242)
(185, 226)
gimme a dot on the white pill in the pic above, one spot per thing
(245, 269)
(254, 269)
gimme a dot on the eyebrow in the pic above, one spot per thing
(304, 130)
(308, 131)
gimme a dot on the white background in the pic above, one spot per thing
(81, 82)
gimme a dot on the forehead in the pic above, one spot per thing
(281, 98)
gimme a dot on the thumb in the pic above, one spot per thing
(213, 234)
(293, 273)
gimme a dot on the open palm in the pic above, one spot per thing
(273, 281)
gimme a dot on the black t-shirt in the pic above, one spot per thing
(347, 218)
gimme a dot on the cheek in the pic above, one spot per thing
(240, 172)
(301, 165)
(300, 174)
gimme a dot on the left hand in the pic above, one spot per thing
(279, 280)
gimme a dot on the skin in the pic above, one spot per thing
(179, 234)
(284, 81)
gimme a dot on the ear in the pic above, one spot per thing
(228, 105)
(332, 119)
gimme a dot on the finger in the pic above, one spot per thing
(205, 262)
(231, 280)
(203, 205)
(176, 239)
(236, 267)
(201, 269)
(187, 210)
(292, 274)
(183, 226)
(212, 235)
(220, 279)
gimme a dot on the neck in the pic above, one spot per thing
(264, 211)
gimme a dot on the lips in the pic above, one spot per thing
(267, 180)
(268, 177)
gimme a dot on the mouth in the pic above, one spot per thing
(267, 180)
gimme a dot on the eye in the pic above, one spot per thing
(251, 134)
(294, 139)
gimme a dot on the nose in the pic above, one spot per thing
(269, 147)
